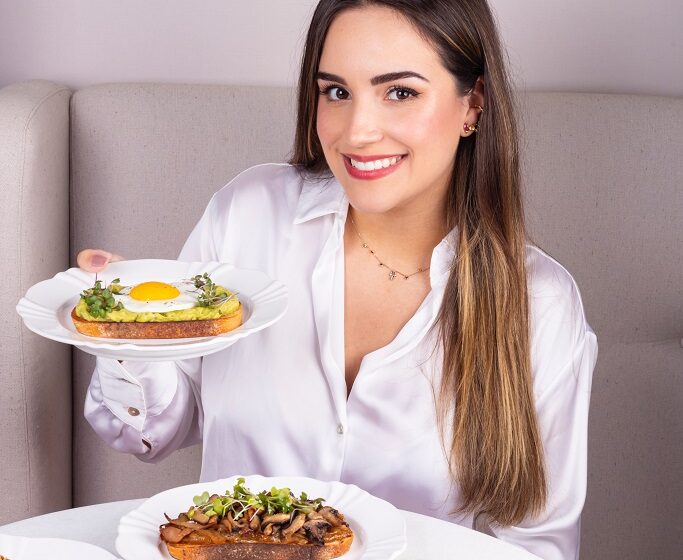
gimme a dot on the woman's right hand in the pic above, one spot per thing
(96, 260)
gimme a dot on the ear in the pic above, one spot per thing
(474, 98)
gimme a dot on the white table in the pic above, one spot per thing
(428, 538)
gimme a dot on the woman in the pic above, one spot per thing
(429, 355)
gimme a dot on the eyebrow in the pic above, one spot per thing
(377, 80)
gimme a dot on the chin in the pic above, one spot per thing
(368, 200)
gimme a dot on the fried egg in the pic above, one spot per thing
(158, 297)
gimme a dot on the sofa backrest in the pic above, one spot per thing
(604, 194)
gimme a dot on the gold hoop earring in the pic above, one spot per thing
(474, 127)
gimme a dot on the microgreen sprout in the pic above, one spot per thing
(241, 499)
(208, 296)
(99, 300)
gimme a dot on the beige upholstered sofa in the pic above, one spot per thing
(130, 167)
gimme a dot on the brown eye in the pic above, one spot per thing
(401, 93)
(335, 93)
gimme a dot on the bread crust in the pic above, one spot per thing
(169, 329)
(335, 548)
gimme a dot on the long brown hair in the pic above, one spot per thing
(486, 397)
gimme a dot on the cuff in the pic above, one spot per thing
(122, 393)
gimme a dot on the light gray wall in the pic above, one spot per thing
(609, 46)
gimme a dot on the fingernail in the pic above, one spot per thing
(98, 260)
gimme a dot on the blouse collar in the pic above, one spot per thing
(320, 196)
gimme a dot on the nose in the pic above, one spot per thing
(364, 126)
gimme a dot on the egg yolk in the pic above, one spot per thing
(153, 291)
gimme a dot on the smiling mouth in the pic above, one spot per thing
(374, 165)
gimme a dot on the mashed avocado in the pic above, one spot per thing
(193, 314)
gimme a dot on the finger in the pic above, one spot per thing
(95, 260)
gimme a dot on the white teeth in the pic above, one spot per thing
(377, 164)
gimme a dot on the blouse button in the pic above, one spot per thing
(340, 429)
(133, 411)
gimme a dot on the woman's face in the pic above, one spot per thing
(390, 117)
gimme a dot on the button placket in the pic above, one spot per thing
(323, 284)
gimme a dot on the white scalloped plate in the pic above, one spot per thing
(379, 528)
(47, 306)
(25, 548)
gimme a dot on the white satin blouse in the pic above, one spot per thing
(276, 402)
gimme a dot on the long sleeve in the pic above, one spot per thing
(564, 352)
(154, 402)
(152, 408)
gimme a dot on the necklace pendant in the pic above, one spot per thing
(392, 275)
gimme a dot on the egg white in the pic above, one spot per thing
(187, 299)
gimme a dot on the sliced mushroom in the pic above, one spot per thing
(332, 516)
(314, 515)
(243, 521)
(235, 524)
(174, 535)
(255, 522)
(268, 530)
(200, 517)
(315, 530)
(277, 518)
(296, 524)
(185, 524)
(227, 522)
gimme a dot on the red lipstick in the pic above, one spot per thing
(375, 174)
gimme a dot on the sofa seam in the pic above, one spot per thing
(73, 351)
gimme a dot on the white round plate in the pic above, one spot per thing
(25, 548)
(379, 528)
(46, 307)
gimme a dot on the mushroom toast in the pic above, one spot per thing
(273, 525)
(185, 309)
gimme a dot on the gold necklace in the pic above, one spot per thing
(392, 271)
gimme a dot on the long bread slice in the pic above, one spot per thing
(337, 543)
(171, 329)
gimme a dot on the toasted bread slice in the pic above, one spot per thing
(337, 542)
(171, 329)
